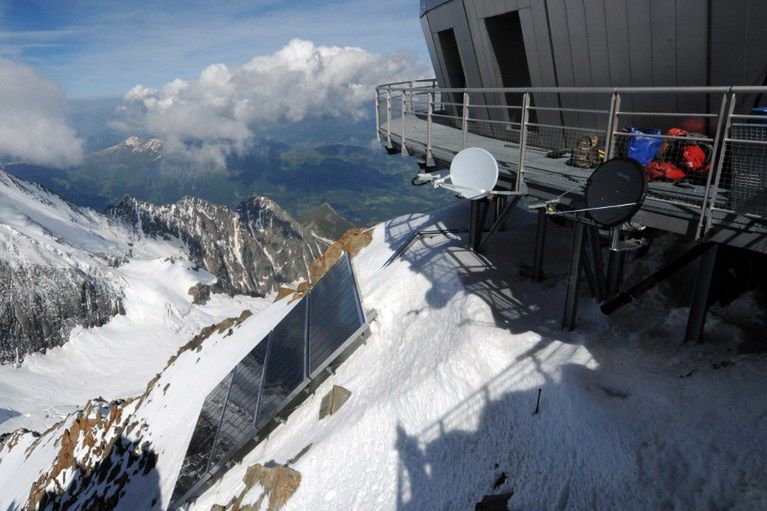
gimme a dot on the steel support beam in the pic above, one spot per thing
(500, 219)
(700, 298)
(598, 263)
(540, 245)
(477, 217)
(573, 278)
(616, 261)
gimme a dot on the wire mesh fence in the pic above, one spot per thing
(743, 170)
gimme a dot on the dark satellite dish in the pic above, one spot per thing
(615, 191)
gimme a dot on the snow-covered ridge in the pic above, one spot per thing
(154, 147)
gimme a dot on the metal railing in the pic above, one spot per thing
(531, 131)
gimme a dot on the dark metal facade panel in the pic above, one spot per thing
(197, 458)
(285, 364)
(240, 412)
(611, 43)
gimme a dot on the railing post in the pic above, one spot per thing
(465, 117)
(403, 150)
(388, 118)
(711, 190)
(523, 140)
(612, 123)
(429, 112)
(378, 116)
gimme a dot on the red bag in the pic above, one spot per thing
(694, 158)
(664, 170)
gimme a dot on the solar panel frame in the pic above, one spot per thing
(335, 295)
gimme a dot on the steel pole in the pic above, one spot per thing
(523, 141)
(388, 119)
(403, 149)
(378, 116)
(465, 118)
(430, 111)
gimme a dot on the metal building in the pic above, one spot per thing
(594, 43)
(530, 80)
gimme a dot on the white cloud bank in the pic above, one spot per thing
(33, 125)
(216, 112)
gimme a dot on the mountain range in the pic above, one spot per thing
(360, 182)
(64, 266)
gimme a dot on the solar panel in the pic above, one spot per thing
(240, 412)
(285, 362)
(311, 336)
(334, 313)
(197, 456)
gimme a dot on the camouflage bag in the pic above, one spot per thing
(586, 154)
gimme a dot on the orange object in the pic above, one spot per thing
(677, 132)
(664, 170)
(693, 157)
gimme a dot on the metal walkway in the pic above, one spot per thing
(434, 124)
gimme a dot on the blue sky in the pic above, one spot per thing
(98, 48)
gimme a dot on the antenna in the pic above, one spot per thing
(473, 173)
(613, 193)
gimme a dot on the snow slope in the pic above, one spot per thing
(115, 360)
(444, 393)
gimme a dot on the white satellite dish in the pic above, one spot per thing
(473, 173)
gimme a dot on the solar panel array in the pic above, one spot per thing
(308, 339)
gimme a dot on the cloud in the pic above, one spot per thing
(33, 125)
(216, 112)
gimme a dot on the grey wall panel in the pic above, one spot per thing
(560, 40)
(453, 16)
(640, 54)
(691, 53)
(738, 45)
(197, 458)
(241, 406)
(433, 55)
(535, 27)
(581, 59)
(663, 29)
(615, 43)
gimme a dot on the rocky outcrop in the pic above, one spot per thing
(351, 242)
(272, 486)
(326, 222)
(251, 250)
(39, 307)
(100, 455)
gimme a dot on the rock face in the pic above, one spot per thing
(326, 222)
(252, 250)
(40, 305)
(55, 265)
